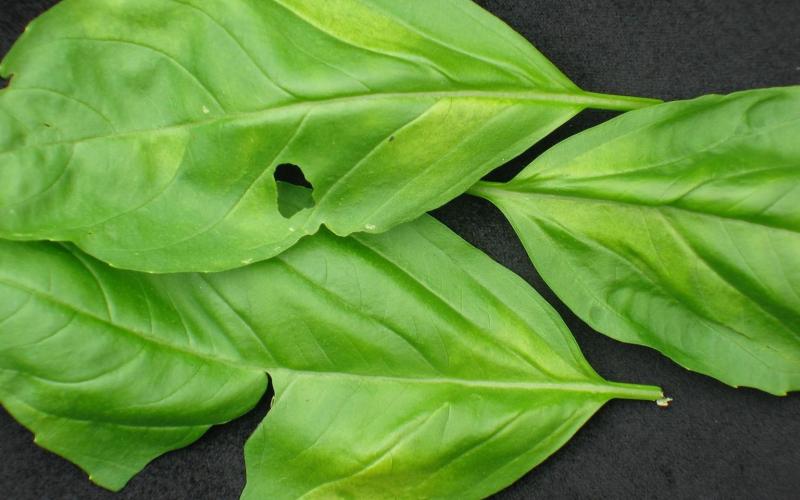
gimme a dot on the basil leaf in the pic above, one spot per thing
(406, 355)
(149, 132)
(678, 228)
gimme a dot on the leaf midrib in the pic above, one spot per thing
(579, 98)
(601, 387)
(46, 297)
(524, 195)
(611, 389)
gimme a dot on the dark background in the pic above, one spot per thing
(714, 441)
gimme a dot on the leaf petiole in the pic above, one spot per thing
(614, 102)
(639, 392)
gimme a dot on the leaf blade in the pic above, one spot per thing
(357, 321)
(78, 338)
(688, 216)
(160, 154)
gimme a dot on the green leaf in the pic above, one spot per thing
(678, 228)
(155, 146)
(406, 364)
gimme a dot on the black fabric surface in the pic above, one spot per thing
(715, 441)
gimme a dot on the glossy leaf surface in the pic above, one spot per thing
(678, 227)
(406, 364)
(148, 132)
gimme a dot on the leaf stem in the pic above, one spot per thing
(638, 392)
(616, 102)
(487, 190)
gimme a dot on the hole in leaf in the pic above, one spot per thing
(294, 190)
(291, 174)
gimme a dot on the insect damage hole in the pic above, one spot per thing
(295, 192)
